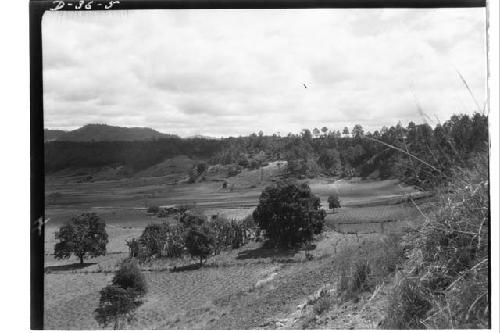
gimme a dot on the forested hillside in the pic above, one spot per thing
(418, 153)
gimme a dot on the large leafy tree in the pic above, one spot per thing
(290, 214)
(84, 236)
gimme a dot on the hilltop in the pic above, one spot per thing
(103, 132)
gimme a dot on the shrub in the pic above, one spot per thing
(290, 214)
(324, 303)
(354, 279)
(84, 236)
(243, 162)
(229, 233)
(385, 255)
(201, 167)
(333, 201)
(129, 276)
(119, 300)
(408, 305)
(364, 267)
(153, 210)
(250, 228)
(359, 281)
(173, 247)
(199, 241)
(233, 170)
(158, 239)
(115, 306)
(133, 247)
(188, 220)
(153, 238)
(193, 175)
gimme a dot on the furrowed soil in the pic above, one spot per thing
(249, 287)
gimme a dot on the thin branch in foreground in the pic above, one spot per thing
(470, 91)
(473, 304)
(405, 152)
(464, 273)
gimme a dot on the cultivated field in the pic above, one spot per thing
(227, 292)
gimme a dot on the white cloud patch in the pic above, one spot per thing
(234, 72)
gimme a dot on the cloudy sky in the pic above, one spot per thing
(234, 72)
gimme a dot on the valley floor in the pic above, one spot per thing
(246, 288)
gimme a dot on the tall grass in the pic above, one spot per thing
(449, 285)
(364, 267)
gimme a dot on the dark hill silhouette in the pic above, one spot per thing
(51, 135)
(103, 132)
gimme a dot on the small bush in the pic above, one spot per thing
(116, 305)
(153, 210)
(324, 303)
(201, 167)
(233, 170)
(129, 276)
(408, 305)
(385, 256)
(333, 201)
(354, 279)
(363, 268)
(120, 300)
(133, 248)
(359, 281)
(188, 220)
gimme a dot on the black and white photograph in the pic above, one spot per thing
(264, 168)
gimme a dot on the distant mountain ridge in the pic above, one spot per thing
(199, 136)
(103, 132)
(51, 135)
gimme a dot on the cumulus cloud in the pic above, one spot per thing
(234, 72)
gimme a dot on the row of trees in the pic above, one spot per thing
(288, 215)
(191, 233)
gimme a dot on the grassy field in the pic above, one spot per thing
(223, 294)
